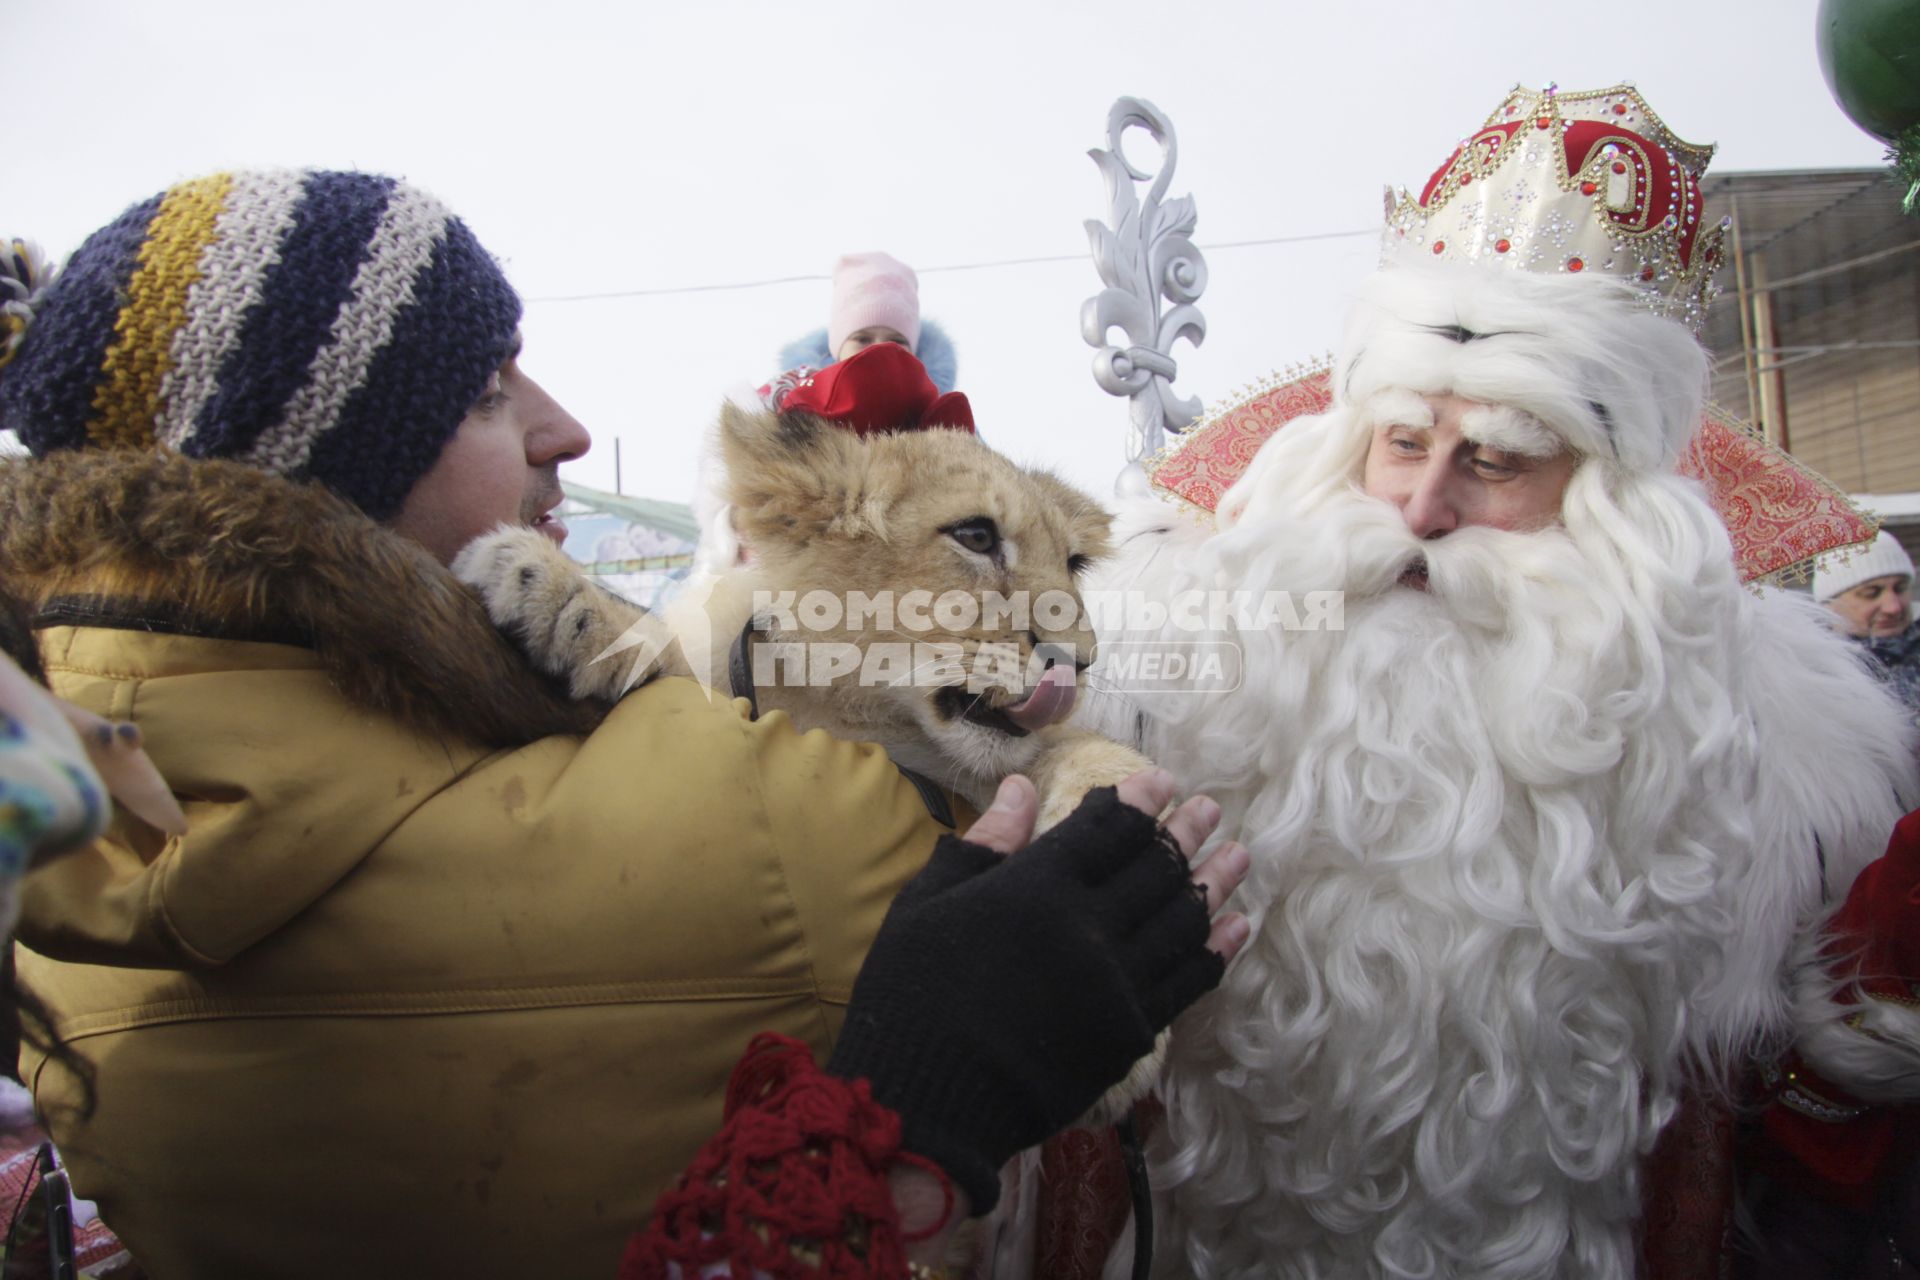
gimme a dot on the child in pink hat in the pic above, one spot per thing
(876, 298)
(876, 301)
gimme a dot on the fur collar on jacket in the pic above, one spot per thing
(206, 547)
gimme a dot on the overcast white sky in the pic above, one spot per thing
(600, 147)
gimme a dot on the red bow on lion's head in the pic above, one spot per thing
(882, 388)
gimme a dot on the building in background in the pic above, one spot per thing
(640, 548)
(1816, 336)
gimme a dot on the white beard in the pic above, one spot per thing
(1516, 868)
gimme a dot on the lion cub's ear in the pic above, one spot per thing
(1089, 525)
(789, 476)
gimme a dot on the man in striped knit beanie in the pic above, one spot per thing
(447, 974)
(338, 327)
(427, 985)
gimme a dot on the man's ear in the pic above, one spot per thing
(790, 476)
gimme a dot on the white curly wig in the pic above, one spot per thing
(1530, 848)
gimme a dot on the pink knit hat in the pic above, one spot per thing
(873, 289)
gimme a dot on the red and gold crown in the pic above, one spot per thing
(1568, 183)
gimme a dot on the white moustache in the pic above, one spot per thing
(1362, 546)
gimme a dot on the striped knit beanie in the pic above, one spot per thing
(332, 326)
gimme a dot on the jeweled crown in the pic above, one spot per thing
(1570, 183)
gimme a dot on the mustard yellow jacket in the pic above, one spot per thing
(403, 1002)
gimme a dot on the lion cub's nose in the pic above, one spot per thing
(1053, 652)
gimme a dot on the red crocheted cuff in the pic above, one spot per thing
(794, 1184)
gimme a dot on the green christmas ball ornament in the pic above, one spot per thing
(1870, 55)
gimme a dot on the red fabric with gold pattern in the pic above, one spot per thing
(1779, 514)
(1688, 1204)
(1085, 1199)
(1084, 1203)
(1208, 458)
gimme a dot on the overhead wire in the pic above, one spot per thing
(992, 264)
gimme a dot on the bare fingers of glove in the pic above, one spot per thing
(1219, 876)
(1007, 825)
(114, 749)
(1151, 790)
(1230, 933)
(1192, 823)
(1222, 873)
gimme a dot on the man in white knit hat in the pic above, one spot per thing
(1871, 592)
(1535, 827)
(1872, 596)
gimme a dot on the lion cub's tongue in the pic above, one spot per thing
(1050, 700)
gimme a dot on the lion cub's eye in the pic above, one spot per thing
(978, 534)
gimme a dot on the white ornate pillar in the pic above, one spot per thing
(1145, 254)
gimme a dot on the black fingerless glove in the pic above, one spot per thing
(1005, 994)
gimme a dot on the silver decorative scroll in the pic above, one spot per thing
(1144, 252)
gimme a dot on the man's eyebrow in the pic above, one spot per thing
(1509, 431)
(1463, 335)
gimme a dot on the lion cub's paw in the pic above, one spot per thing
(564, 621)
(1074, 762)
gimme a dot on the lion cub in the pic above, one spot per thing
(914, 589)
